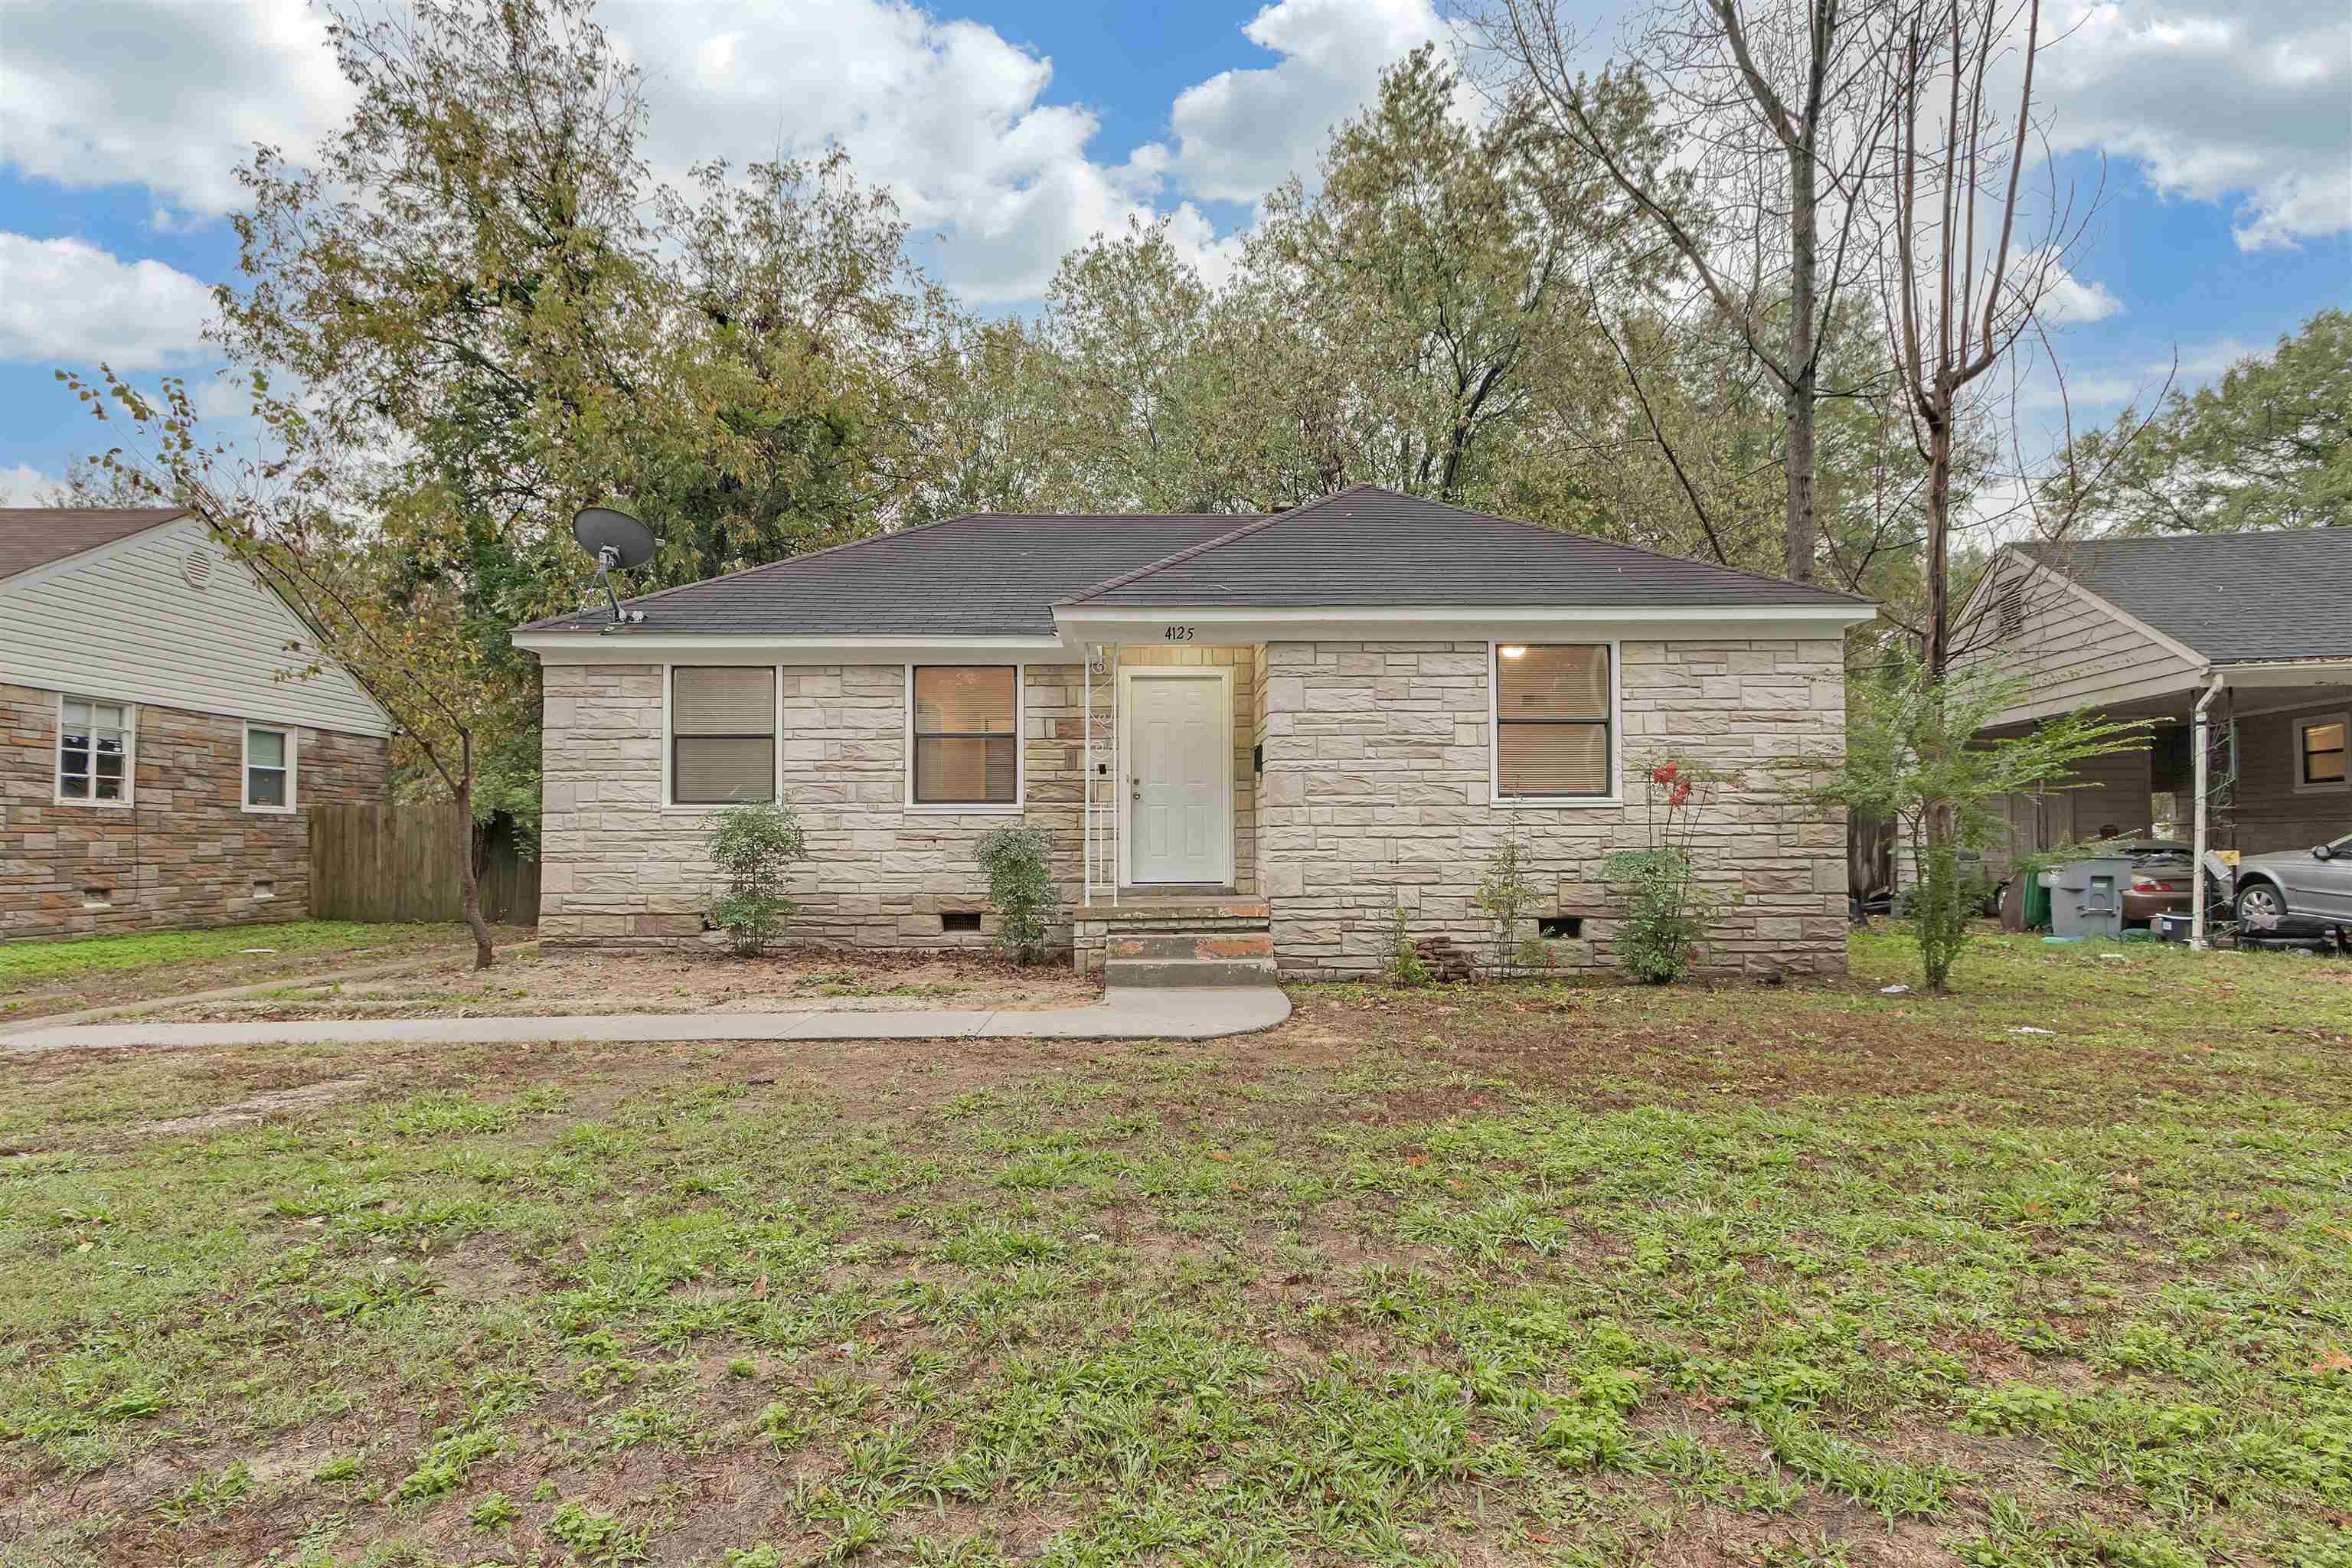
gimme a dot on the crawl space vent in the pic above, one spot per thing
(197, 568)
(959, 919)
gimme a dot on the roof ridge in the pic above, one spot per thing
(1124, 579)
(1187, 553)
(1644, 550)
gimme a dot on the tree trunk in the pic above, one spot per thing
(1803, 262)
(470, 882)
(1938, 651)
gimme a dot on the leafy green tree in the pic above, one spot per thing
(2268, 445)
(1915, 755)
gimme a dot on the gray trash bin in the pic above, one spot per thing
(2086, 898)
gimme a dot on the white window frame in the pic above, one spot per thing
(129, 755)
(1616, 796)
(2294, 729)
(293, 768)
(670, 734)
(1020, 801)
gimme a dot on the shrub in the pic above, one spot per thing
(1021, 887)
(754, 848)
(1405, 967)
(1510, 898)
(1666, 911)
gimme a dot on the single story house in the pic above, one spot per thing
(2237, 647)
(154, 769)
(1250, 738)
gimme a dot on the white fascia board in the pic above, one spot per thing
(1081, 624)
(633, 647)
(2286, 672)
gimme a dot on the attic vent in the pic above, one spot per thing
(197, 568)
(2010, 607)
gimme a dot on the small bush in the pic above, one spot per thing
(754, 848)
(1405, 967)
(1021, 887)
(1667, 913)
(1510, 897)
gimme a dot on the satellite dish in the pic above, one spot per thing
(614, 539)
(600, 528)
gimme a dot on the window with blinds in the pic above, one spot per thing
(722, 735)
(967, 734)
(1552, 718)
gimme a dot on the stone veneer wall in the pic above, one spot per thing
(618, 868)
(1377, 793)
(184, 852)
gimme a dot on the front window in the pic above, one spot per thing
(94, 752)
(967, 734)
(268, 769)
(2320, 746)
(722, 734)
(1552, 718)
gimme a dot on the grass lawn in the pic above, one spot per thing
(1794, 1276)
(90, 972)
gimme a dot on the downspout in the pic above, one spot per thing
(2200, 742)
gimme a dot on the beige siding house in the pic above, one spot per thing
(156, 770)
(2237, 645)
(1250, 738)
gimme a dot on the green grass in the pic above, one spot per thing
(23, 965)
(1553, 1274)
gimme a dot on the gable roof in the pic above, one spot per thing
(34, 536)
(2233, 597)
(1003, 574)
(1368, 546)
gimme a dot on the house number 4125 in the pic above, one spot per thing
(1177, 633)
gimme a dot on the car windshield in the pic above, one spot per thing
(2342, 846)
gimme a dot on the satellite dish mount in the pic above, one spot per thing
(614, 539)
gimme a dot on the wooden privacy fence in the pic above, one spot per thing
(396, 863)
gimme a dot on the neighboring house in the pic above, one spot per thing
(156, 771)
(2256, 627)
(1291, 724)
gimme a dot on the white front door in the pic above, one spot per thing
(1179, 784)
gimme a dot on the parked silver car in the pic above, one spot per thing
(2297, 888)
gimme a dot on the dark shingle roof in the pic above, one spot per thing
(998, 573)
(981, 574)
(34, 536)
(1369, 546)
(2234, 598)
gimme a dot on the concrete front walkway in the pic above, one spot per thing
(1125, 1013)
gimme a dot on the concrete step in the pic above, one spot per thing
(1189, 972)
(1220, 943)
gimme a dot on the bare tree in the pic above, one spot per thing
(1776, 119)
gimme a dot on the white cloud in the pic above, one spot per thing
(169, 94)
(66, 301)
(2242, 104)
(949, 115)
(2063, 299)
(21, 484)
(1241, 132)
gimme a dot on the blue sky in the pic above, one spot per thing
(1012, 132)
